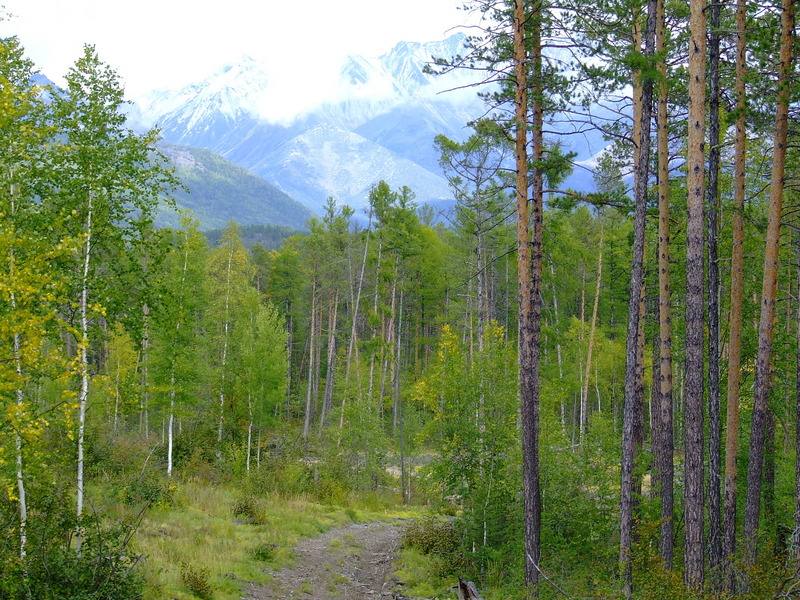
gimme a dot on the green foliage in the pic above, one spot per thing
(440, 542)
(196, 580)
(432, 536)
(264, 552)
(249, 508)
(150, 487)
(211, 182)
(258, 237)
(105, 567)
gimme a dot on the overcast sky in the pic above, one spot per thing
(164, 44)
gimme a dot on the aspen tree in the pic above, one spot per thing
(107, 178)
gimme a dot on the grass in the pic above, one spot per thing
(414, 569)
(201, 532)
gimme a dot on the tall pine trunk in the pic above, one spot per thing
(714, 422)
(527, 342)
(693, 421)
(795, 542)
(665, 439)
(769, 289)
(643, 95)
(735, 320)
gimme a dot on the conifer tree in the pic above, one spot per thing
(695, 185)
(766, 325)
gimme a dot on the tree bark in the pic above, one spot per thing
(769, 289)
(223, 366)
(592, 326)
(643, 90)
(795, 544)
(375, 313)
(22, 502)
(83, 350)
(528, 347)
(714, 422)
(735, 321)
(311, 344)
(327, 402)
(353, 328)
(693, 422)
(665, 447)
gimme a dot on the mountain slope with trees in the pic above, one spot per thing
(217, 191)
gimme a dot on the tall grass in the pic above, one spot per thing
(235, 539)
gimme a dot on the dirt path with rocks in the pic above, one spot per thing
(348, 563)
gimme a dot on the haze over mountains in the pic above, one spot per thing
(377, 123)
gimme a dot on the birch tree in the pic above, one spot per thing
(30, 288)
(106, 178)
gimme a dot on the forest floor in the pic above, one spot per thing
(353, 562)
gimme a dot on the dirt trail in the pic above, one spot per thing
(348, 563)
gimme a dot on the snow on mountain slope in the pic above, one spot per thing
(346, 166)
(377, 122)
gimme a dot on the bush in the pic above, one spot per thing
(250, 509)
(432, 536)
(264, 552)
(196, 581)
(103, 569)
(151, 487)
(113, 456)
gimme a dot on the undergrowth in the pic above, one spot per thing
(217, 538)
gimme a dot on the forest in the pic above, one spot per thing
(566, 394)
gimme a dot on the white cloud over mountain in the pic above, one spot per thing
(377, 120)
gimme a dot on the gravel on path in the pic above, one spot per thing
(353, 562)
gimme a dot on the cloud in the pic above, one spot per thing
(158, 44)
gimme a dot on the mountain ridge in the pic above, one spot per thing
(377, 123)
(217, 191)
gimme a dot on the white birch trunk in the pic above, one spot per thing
(249, 431)
(311, 342)
(224, 354)
(353, 330)
(83, 352)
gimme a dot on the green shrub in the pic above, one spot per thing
(250, 509)
(197, 581)
(151, 487)
(432, 536)
(107, 455)
(264, 552)
(104, 568)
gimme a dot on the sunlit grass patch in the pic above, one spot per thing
(203, 532)
(413, 570)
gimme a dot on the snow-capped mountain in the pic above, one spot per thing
(377, 121)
